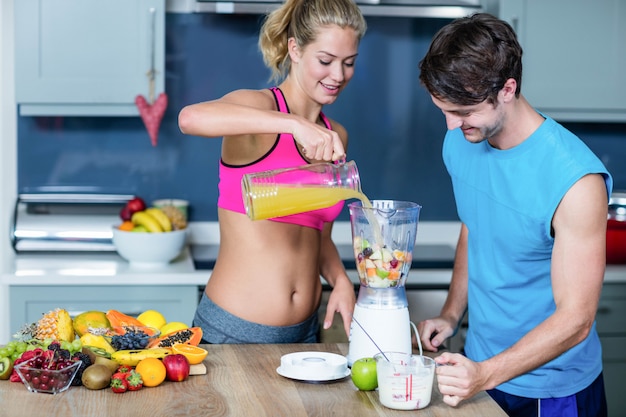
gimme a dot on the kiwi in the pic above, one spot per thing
(6, 368)
(109, 363)
(96, 376)
(89, 353)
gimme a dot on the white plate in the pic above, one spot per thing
(287, 374)
(313, 366)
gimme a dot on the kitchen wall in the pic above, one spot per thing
(395, 130)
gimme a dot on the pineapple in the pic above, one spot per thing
(55, 324)
(177, 218)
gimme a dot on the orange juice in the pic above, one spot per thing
(285, 191)
(283, 200)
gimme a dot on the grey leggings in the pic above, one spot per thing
(219, 326)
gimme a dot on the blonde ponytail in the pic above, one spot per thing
(301, 19)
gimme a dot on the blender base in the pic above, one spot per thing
(389, 328)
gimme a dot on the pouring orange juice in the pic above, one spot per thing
(284, 200)
(287, 191)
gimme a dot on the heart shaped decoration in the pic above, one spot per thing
(152, 114)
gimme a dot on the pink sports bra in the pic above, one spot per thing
(284, 153)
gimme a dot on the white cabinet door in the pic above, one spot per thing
(574, 56)
(87, 57)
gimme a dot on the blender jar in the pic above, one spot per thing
(383, 237)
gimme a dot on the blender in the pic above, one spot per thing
(383, 237)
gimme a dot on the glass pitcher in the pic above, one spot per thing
(282, 192)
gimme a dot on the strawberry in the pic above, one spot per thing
(118, 383)
(124, 369)
(133, 378)
(152, 114)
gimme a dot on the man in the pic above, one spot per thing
(529, 265)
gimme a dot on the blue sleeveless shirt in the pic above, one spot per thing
(507, 199)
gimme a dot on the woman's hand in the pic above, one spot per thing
(342, 300)
(318, 142)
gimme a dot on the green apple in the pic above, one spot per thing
(364, 374)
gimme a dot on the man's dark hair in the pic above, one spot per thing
(470, 59)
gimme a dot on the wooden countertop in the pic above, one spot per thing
(241, 381)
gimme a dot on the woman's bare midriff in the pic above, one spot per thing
(267, 272)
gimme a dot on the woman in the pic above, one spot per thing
(265, 287)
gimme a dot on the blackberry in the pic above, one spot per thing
(59, 352)
(85, 362)
(62, 353)
(132, 339)
(367, 252)
(55, 346)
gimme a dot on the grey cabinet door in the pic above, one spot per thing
(574, 56)
(612, 330)
(87, 57)
(28, 303)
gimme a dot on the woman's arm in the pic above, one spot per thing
(342, 298)
(243, 114)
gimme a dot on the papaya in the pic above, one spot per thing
(90, 319)
(119, 319)
(190, 336)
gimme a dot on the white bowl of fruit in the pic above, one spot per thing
(150, 235)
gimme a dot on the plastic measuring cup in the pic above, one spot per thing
(405, 381)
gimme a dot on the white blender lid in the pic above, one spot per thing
(313, 366)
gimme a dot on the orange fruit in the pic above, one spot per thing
(152, 371)
(127, 226)
(194, 354)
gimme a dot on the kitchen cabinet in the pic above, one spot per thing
(87, 57)
(612, 330)
(574, 56)
(28, 302)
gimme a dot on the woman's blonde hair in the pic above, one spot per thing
(301, 20)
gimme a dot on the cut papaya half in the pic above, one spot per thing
(191, 336)
(119, 319)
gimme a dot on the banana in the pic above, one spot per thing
(142, 218)
(161, 217)
(133, 357)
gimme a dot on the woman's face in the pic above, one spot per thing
(325, 66)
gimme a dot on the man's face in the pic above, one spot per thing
(477, 122)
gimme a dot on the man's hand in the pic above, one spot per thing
(434, 332)
(458, 378)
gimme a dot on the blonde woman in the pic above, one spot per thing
(266, 287)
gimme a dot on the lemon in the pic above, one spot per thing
(172, 327)
(152, 318)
